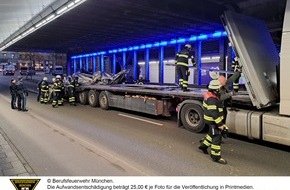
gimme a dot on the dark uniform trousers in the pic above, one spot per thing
(213, 139)
(44, 93)
(181, 61)
(71, 94)
(56, 94)
(182, 72)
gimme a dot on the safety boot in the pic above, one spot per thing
(220, 161)
(203, 149)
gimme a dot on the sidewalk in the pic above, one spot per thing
(11, 162)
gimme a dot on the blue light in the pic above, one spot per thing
(148, 45)
(163, 43)
(173, 41)
(192, 38)
(156, 44)
(142, 46)
(181, 40)
(217, 34)
(202, 37)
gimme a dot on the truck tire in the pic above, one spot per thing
(83, 97)
(191, 116)
(103, 100)
(93, 98)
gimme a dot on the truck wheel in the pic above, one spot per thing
(191, 116)
(103, 100)
(93, 98)
(83, 97)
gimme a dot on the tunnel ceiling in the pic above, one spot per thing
(106, 24)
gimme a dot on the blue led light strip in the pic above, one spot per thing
(217, 34)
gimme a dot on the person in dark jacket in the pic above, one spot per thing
(13, 92)
(181, 60)
(39, 90)
(213, 116)
(22, 94)
(225, 94)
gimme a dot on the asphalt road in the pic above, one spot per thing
(83, 141)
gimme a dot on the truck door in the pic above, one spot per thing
(257, 55)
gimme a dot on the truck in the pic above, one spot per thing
(261, 112)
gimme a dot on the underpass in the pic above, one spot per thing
(81, 140)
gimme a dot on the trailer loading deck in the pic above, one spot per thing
(152, 99)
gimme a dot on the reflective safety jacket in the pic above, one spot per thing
(213, 109)
(183, 56)
(57, 86)
(44, 86)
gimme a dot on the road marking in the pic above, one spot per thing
(144, 120)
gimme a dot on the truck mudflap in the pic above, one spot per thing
(257, 55)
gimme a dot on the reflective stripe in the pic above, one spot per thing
(183, 55)
(212, 107)
(206, 143)
(208, 118)
(183, 64)
(221, 109)
(212, 152)
(216, 147)
(208, 138)
(218, 120)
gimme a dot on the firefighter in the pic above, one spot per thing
(236, 68)
(44, 91)
(213, 116)
(181, 60)
(56, 91)
(71, 91)
(62, 91)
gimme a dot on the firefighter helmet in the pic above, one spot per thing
(214, 85)
(187, 46)
(58, 77)
(44, 78)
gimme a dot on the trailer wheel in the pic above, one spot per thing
(93, 98)
(191, 116)
(103, 100)
(83, 97)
